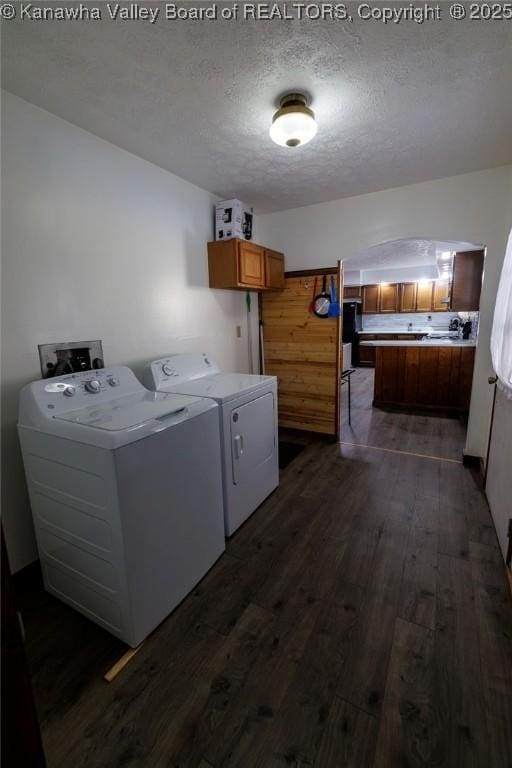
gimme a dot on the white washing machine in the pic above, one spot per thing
(126, 494)
(248, 419)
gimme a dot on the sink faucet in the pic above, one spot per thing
(409, 326)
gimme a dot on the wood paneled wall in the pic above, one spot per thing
(303, 351)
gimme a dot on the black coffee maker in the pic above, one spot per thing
(466, 329)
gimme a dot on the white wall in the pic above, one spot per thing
(390, 275)
(474, 207)
(399, 274)
(97, 243)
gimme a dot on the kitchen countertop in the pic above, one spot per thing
(394, 330)
(421, 343)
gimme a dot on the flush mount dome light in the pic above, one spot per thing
(294, 123)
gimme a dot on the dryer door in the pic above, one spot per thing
(252, 437)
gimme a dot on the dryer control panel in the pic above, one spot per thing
(178, 369)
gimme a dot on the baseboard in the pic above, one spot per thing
(419, 409)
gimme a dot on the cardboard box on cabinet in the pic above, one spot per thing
(233, 219)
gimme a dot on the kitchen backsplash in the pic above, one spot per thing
(439, 321)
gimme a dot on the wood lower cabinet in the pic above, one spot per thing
(388, 298)
(468, 268)
(367, 353)
(367, 356)
(438, 378)
(370, 296)
(274, 269)
(240, 264)
(408, 297)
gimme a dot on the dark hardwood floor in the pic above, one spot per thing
(424, 434)
(361, 617)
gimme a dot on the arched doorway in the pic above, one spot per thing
(411, 317)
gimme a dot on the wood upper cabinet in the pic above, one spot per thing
(274, 269)
(241, 264)
(388, 297)
(441, 296)
(371, 295)
(468, 268)
(251, 264)
(424, 295)
(408, 297)
(352, 292)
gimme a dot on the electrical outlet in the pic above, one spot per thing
(239, 332)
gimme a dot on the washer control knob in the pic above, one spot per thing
(167, 369)
(69, 391)
(93, 386)
(113, 382)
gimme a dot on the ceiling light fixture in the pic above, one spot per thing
(294, 123)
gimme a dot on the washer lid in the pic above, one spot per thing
(223, 386)
(129, 411)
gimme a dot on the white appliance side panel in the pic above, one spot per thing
(170, 488)
(250, 455)
(499, 465)
(73, 496)
(92, 603)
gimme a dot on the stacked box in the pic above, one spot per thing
(233, 219)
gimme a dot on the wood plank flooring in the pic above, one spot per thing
(416, 433)
(361, 618)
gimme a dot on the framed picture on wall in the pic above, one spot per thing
(70, 357)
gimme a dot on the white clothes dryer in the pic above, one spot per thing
(248, 426)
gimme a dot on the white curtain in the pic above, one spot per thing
(501, 338)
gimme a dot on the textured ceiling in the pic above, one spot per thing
(413, 252)
(395, 104)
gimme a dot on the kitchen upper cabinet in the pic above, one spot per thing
(371, 295)
(424, 296)
(352, 292)
(388, 298)
(441, 296)
(468, 268)
(274, 269)
(251, 265)
(408, 297)
(240, 264)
